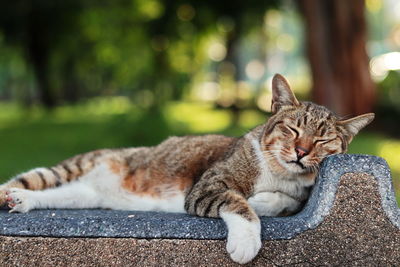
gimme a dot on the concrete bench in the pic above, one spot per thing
(351, 218)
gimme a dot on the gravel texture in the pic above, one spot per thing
(351, 219)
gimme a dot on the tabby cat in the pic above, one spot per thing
(267, 172)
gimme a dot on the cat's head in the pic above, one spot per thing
(300, 135)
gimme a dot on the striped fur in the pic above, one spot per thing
(267, 172)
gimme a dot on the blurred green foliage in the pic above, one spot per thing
(389, 93)
(62, 51)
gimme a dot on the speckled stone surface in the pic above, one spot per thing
(351, 219)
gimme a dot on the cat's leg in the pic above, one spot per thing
(62, 173)
(76, 195)
(35, 179)
(99, 188)
(273, 203)
(244, 229)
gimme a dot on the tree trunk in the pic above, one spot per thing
(37, 48)
(71, 83)
(232, 44)
(335, 40)
(43, 83)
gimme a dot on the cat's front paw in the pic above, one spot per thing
(243, 247)
(18, 200)
(273, 203)
(244, 241)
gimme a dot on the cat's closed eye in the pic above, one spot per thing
(323, 141)
(294, 131)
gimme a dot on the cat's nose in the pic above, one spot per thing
(301, 151)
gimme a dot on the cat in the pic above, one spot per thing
(266, 172)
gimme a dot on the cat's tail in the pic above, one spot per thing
(42, 178)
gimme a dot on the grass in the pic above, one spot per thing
(32, 138)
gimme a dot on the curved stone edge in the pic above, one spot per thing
(323, 194)
(376, 167)
(107, 223)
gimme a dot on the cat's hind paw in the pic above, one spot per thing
(18, 200)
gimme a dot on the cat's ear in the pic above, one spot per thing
(282, 95)
(354, 125)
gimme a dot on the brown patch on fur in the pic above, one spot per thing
(143, 182)
(174, 165)
(185, 183)
(116, 167)
(134, 182)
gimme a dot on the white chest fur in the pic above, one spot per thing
(273, 193)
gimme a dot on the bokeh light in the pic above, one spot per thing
(217, 51)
